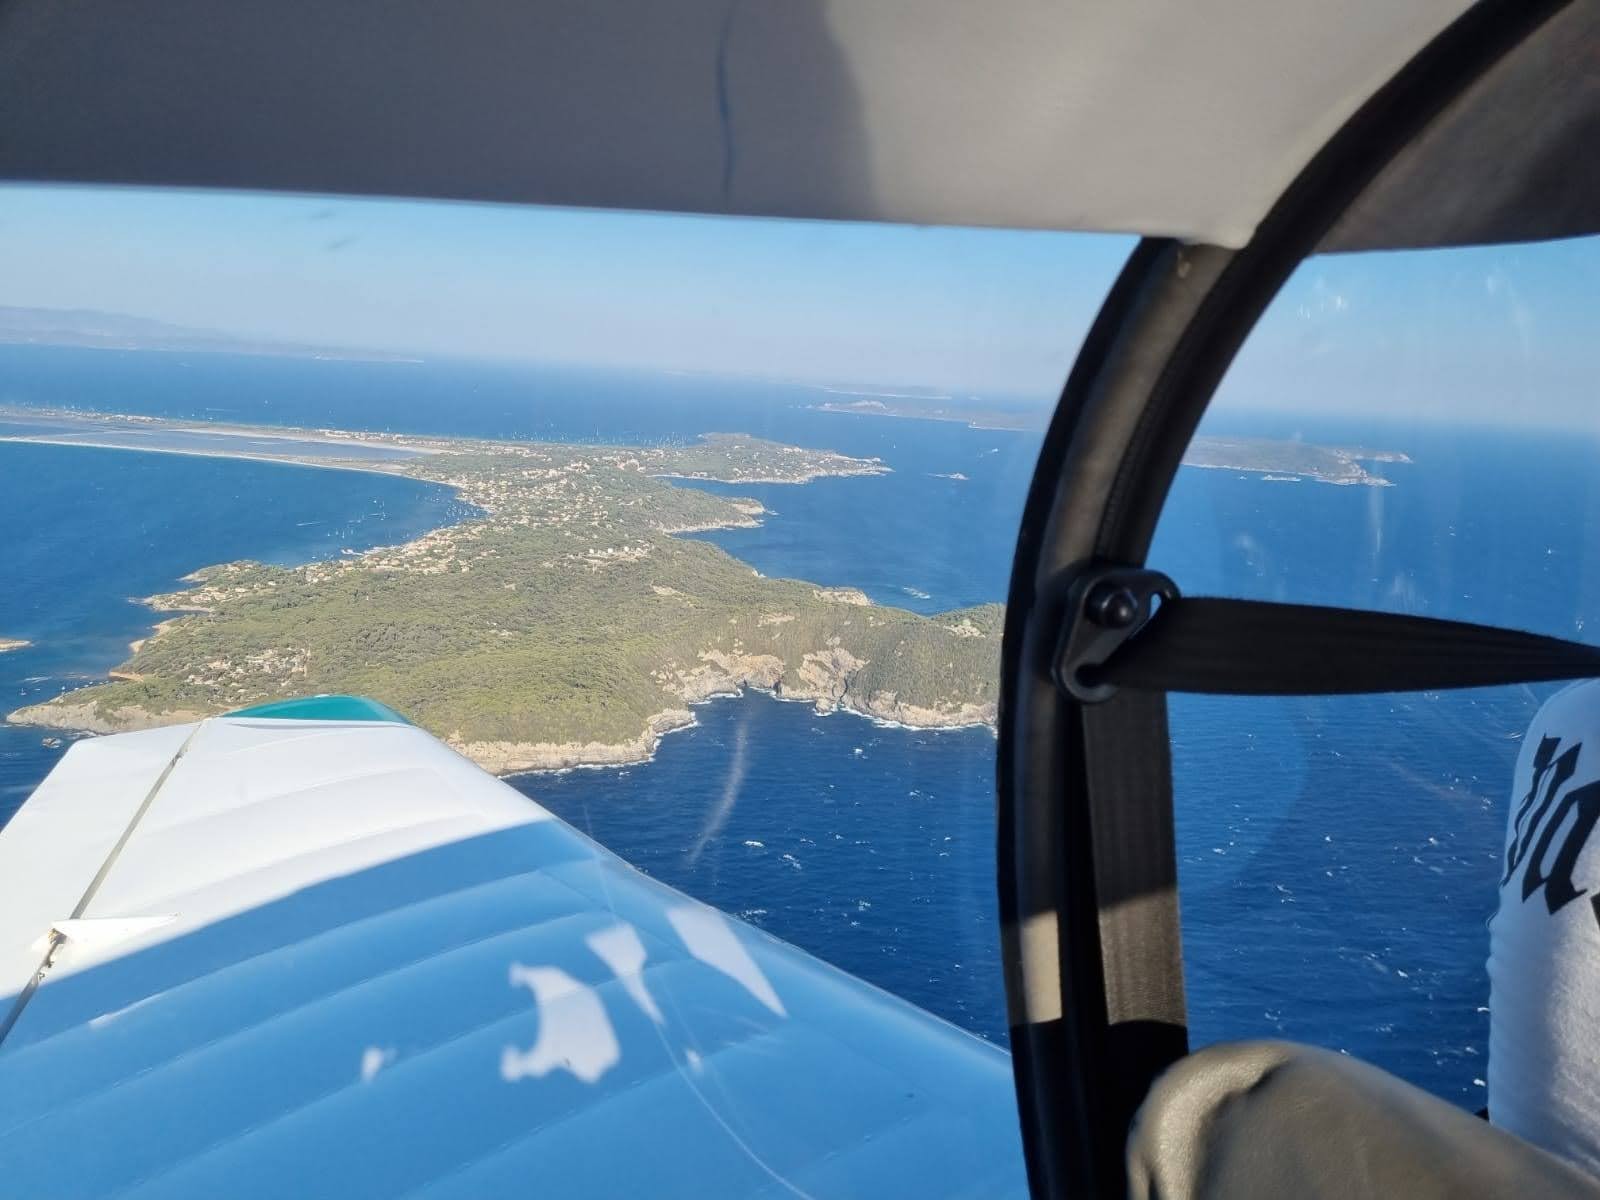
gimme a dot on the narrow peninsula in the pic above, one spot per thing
(565, 624)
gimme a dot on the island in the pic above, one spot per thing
(566, 623)
(13, 644)
(1285, 460)
(973, 413)
(1273, 459)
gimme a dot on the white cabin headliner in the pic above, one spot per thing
(1147, 116)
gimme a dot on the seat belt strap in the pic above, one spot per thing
(1135, 632)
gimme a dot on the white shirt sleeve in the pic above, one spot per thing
(1544, 939)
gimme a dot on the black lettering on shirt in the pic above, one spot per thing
(1541, 817)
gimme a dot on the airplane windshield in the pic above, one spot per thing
(695, 531)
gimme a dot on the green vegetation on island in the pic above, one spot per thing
(565, 625)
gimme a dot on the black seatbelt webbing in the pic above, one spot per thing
(1255, 648)
(1130, 638)
(1129, 775)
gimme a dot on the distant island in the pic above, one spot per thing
(1276, 459)
(939, 408)
(1290, 460)
(566, 625)
(13, 644)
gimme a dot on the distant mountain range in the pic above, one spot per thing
(95, 330)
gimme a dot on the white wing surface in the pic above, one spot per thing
(289, 957)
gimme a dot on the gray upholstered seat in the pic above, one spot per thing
(1273, 1119)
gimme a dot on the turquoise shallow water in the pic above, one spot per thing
(1337, 855)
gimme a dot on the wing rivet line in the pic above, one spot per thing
(57, 939)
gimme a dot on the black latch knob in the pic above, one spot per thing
(1112, 607)
(1106, 605)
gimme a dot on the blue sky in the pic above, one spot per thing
(995, 312)
(1479, 334)
(1487, 335)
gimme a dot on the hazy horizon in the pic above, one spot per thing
(1479, 335)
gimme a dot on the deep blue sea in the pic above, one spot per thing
(1337, 856)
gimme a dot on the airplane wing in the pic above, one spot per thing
(307, 950)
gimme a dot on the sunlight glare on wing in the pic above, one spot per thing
(707, 935)
(574, 1032)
